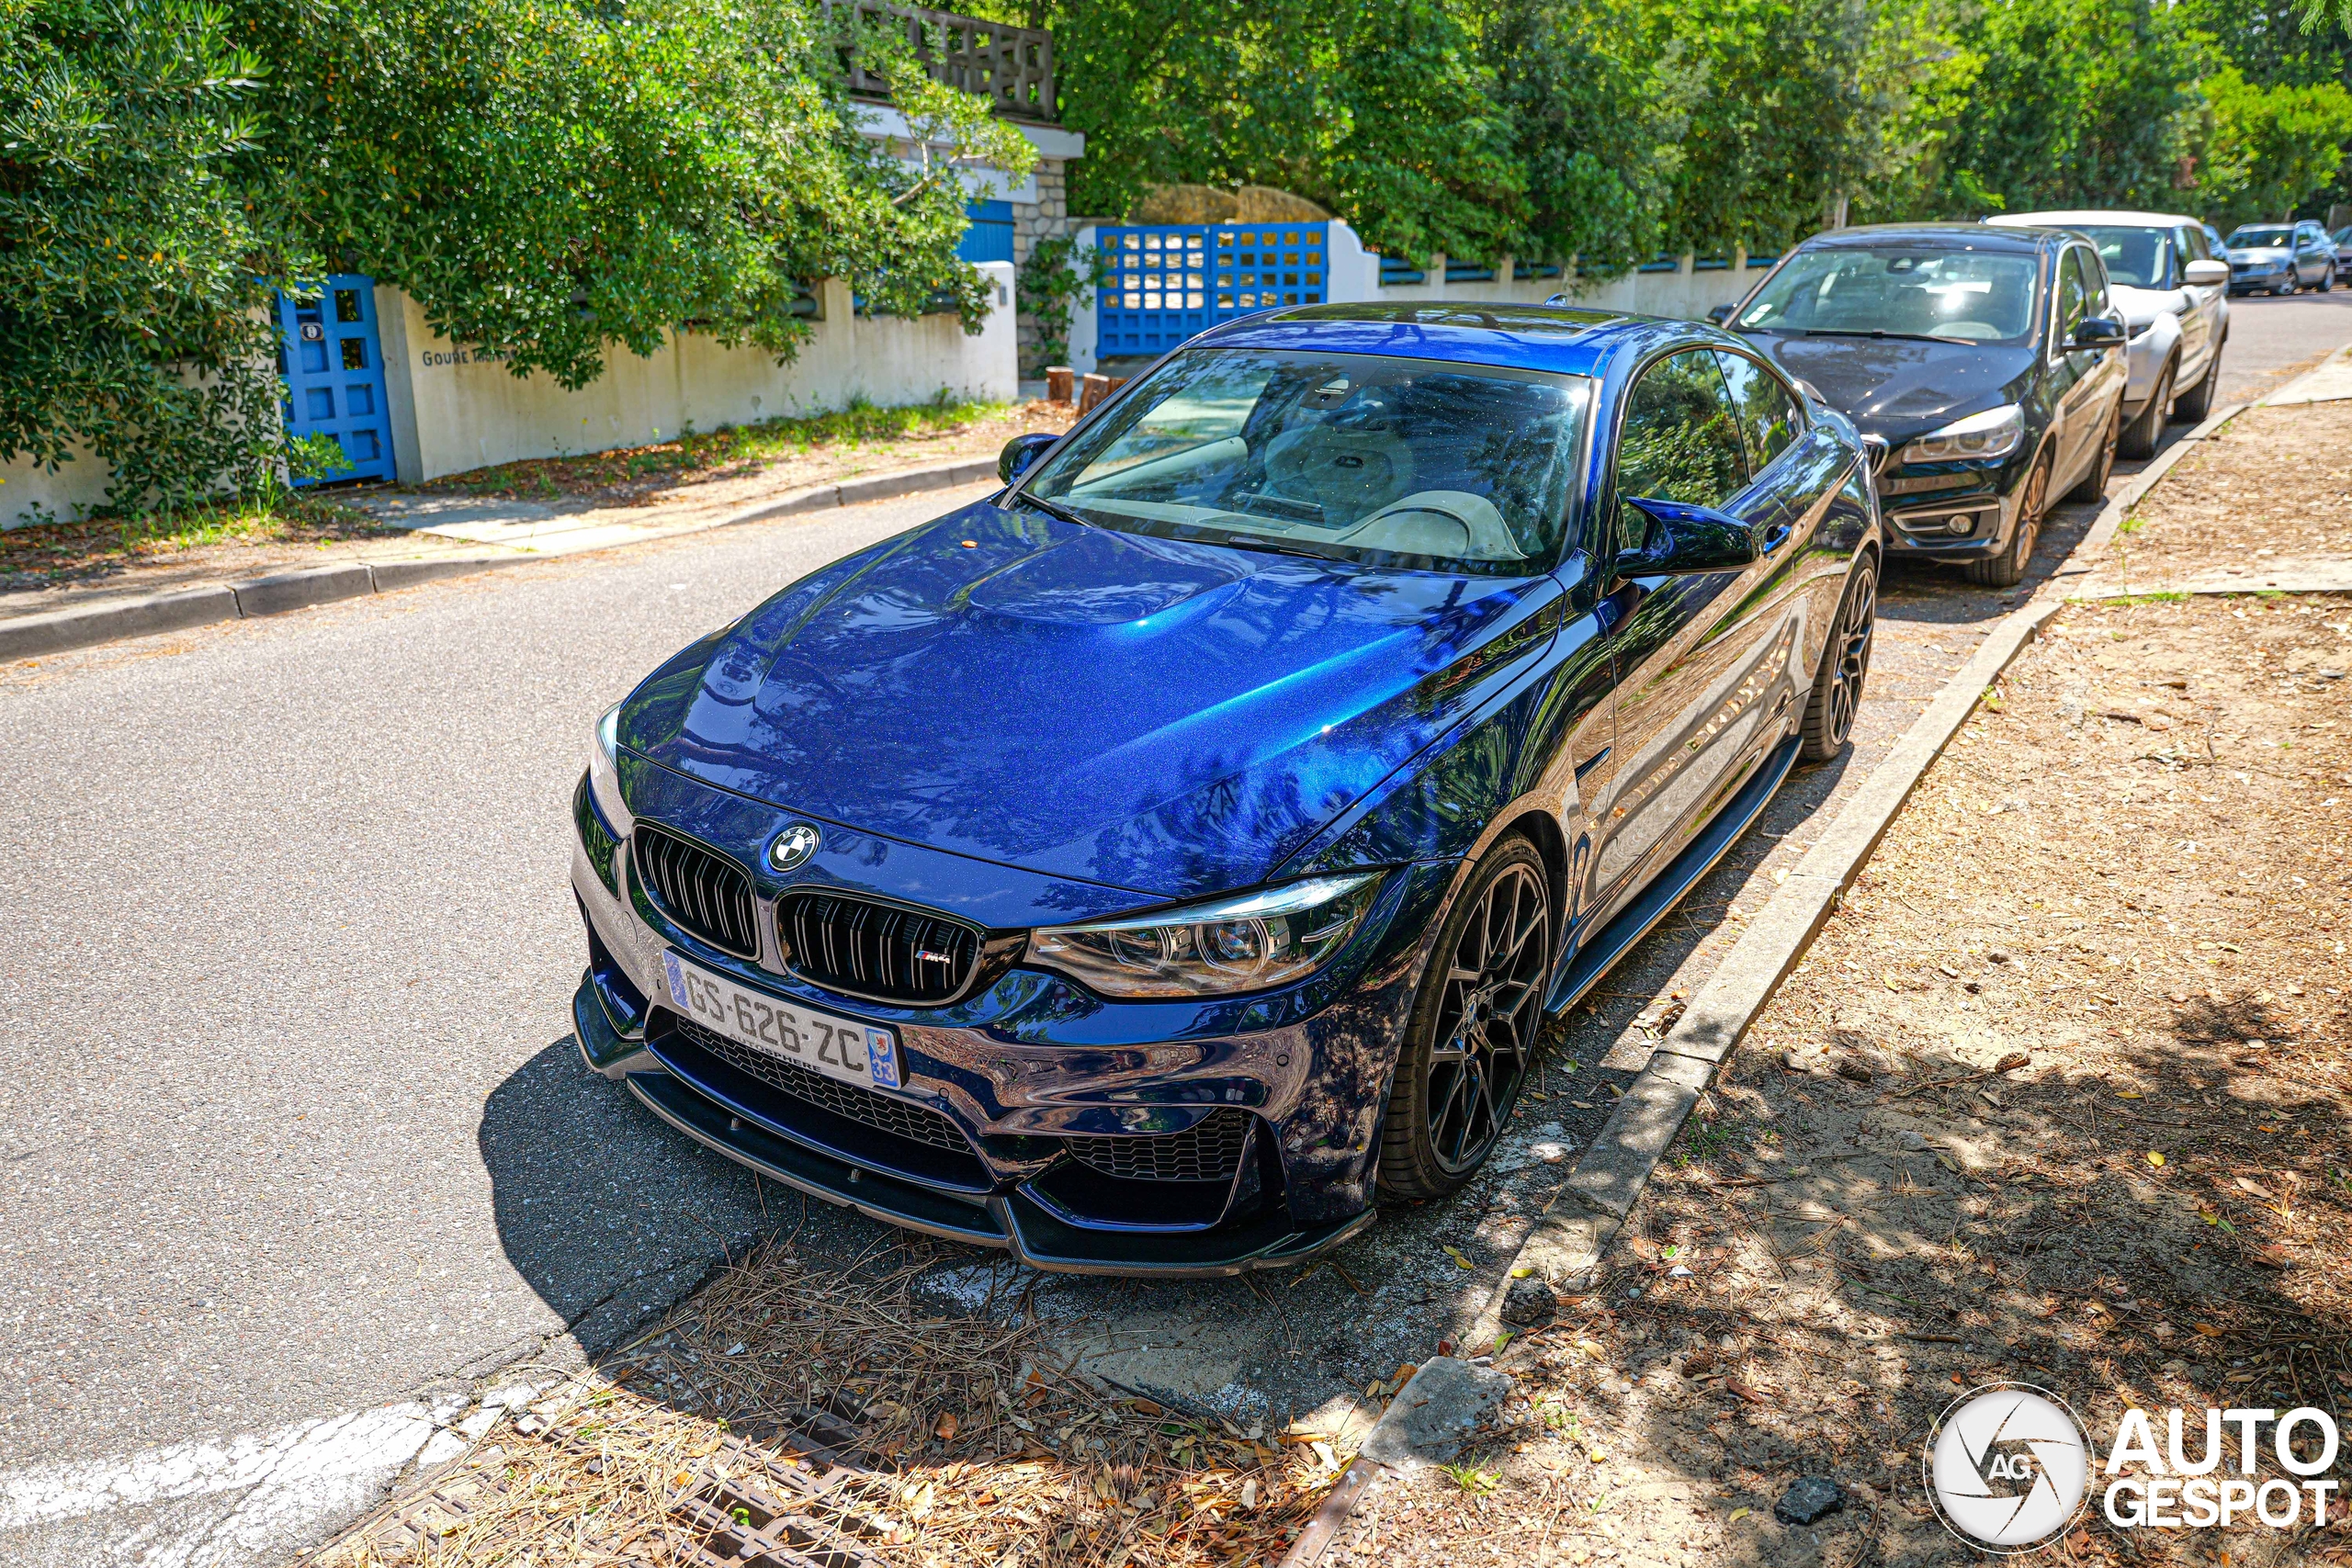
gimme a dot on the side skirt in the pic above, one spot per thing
(1594, 958)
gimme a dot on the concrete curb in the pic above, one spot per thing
(851, 493)
(1569, 1241)
(1443, 1405)
(2329, 382)
(61, 631)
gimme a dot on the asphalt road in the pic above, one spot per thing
(288, 939)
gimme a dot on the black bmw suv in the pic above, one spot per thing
(1988, 361)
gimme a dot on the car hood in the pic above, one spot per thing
(2141, 306)
(2260, 254)
(1899, 387)
(1167, 718)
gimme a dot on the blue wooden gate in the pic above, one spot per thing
(1168, 281)
(333, 368)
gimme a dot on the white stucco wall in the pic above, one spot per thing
(29, 495)
(452, 410)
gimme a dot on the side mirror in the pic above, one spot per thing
(1721, 314)
(2205, 274)
(1679, 540)
(1021, 455)
(2098, 333)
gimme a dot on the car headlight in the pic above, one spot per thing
(1993, 433)
(1243, 944)
(605, 775)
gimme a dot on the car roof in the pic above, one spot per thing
(2120, 218)
(1566, 340)
(1960, 236)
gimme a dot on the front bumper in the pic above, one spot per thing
(1922, 501)
(1020, 1068)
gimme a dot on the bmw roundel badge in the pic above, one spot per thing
(793, 846)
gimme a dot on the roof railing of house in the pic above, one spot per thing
(1013, 65)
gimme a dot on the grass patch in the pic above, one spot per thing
(698, 455)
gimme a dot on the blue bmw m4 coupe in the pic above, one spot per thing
(1151, 867)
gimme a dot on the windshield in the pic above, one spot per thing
(2137, 258)
(2283, 237)
(1968, 296)
(1348, 456)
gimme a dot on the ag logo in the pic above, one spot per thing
(793, 846)
(2009, 1467)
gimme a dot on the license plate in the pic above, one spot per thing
(838, 1047)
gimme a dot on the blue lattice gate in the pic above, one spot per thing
(333, 368)
(1168, 281)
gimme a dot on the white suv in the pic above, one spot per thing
(2174, 296)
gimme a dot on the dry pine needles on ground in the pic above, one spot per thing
(2063, 1094)
(921, 1440)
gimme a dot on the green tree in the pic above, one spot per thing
(133, 257)
(1597, 121)
(1381, 110)
(547, 178)
(2079, 103)
(2273, 147)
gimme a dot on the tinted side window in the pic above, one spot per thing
(2073, 295)
(1768, 416)
(1680, 440)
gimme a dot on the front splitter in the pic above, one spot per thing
(1005, 1220)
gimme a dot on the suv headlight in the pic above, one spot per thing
(1993, 433)
(1244, 943)
(605, 775)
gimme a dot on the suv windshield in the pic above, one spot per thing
(2283, 237)
(2136, 258)
(1901, 291)
(1348, 456)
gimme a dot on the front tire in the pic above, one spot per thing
(2091, 489)
(1474, 1029)
(2140, 437)
(1845, 665)
(2008, 568)
(2197, 403)
(2327, 281)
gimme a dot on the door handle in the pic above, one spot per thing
(1775, 537)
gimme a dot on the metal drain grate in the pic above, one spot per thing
(777, 1502)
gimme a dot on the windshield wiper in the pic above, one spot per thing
(1277, 546)
(1880, 331)
(1061, 514)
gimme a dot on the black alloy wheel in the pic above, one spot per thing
(2008, 568)
(1474, 1027)
(1845, 665)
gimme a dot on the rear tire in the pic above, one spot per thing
(2327, 281)
(2008, 568)
(1845, 665)
(2197, 403)
(1473, 1033)
(2140, 435)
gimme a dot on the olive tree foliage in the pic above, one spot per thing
(131, 249)
(550, 180)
